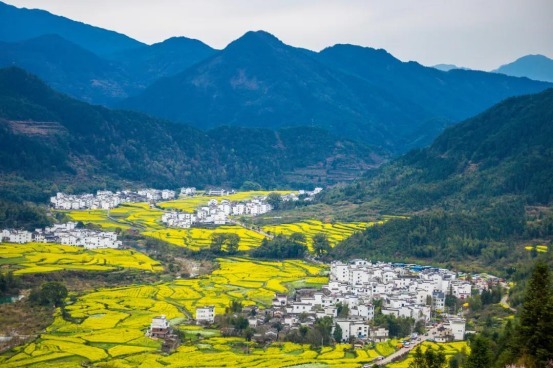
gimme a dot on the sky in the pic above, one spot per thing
(479, 34)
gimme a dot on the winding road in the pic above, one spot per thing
(406, 349)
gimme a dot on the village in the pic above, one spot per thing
(66, 234)
(105, 199)
(401, 290)
(218, 213)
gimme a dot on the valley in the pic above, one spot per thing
(276, 184)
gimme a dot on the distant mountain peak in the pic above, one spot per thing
(255, 39)
(537, 67)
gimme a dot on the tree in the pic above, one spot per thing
(298, 238)
(324, 327)
(278, 327)
(342, 310)
(232, 242)
(321, 245)
(337, 334)
(480, 353)
(248, 333)
(430, 359)
(51, 293)
(536, 318)
(227, 242)
(275, 200)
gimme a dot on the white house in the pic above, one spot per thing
(205, 314)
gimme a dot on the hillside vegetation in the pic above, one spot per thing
(480, 191)
(49, 141)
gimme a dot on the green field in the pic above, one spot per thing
(40, 257)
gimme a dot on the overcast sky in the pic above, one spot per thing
(480, 34)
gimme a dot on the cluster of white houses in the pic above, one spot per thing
(66, 234)
(105, 199)
(405, 291)
(216, 212)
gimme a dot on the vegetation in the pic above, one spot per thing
(280, 247)
(40, 257)
(103, 325)
(90, 146)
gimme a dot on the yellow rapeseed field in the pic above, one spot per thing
(40, 257)
(109, 324)
(335, 232)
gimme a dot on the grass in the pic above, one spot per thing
(40, 257)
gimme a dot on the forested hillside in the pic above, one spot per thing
(50, 141)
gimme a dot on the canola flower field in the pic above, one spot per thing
(40, 257)
(335, 232)
(108, 325)
(449, 349)
(148, 222)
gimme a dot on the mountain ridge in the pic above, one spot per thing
(48, 138)
(258, 81)
(19, 24)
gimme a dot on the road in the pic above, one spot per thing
(406, 349)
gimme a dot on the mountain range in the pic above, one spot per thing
(537, 67)
(256, 81)
(503, 152)
(352, 91)
(478, 194)
(47, 138)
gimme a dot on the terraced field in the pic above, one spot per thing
(335, 232)
(449, 349)
(40, 257)
(110, 323)
(148, 221)
(196, 238)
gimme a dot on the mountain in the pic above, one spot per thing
(505, 151)
(356, 92)
(167, 58)
(69, 68)
(19, 24)
(50, 141)
(537, 67)
(478, 195)
(256, 81)
(447, 67)
(447, 96)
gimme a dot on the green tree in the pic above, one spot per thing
(278, 327)
(337, 334)
(480, 353)
(275, 200)
(536, 318)
(430, 359)
(324, 327)
(51, 293)
(321, 245)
